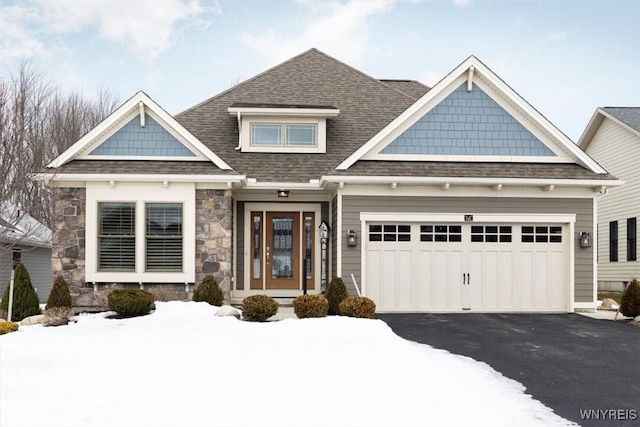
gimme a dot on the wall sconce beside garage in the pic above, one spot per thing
(585, 239)
(352, 238)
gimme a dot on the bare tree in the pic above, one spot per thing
(37, 123)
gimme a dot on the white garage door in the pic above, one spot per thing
(468, 266)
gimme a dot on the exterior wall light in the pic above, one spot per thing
(283, 193)
(352, 238)
(585, 239)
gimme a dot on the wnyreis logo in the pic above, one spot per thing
(609, 414)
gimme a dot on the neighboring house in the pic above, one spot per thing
(612, 137)
(24, 239)
(458, 197)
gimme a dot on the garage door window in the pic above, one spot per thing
(491, 233)
(389, 233)
(541, 234)
(440, 233)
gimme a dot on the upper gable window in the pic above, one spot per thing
(282, 129)
(277, 135)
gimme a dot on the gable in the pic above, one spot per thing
(138, 130)
(150, 140)
(468, 123)
(471, 115)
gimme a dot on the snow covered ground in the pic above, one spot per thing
(183, 366)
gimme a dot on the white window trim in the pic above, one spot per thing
(321, 134)
(140, 194)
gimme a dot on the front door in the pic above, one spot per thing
(282, 250)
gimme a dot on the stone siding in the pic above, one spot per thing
(68, 245)
(214, 227)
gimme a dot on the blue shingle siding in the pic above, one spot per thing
(134, 140)
(468, 123)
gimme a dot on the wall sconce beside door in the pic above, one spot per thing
(352, 238)
(585, 239)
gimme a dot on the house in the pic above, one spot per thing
(458, 197)
(612, 138)
(25, 240)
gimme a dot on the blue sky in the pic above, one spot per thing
(565, 58)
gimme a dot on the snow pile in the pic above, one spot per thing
(183, 366)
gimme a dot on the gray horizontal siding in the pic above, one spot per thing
(582, 208)
(38, 264)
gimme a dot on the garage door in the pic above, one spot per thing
(467, 266)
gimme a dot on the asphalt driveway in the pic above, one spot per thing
(569, 362)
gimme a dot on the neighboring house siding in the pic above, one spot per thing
(38, 264)
(617, 150)
(583, 208)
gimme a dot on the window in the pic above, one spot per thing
(281, 134)
(613, 241)
(116, 237)
(164, 237)
(440, 233)
(491, 233)
(389, 233)
(631, 240)
(541, 234)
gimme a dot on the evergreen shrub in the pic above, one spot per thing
(208, 291)
(258, 308)
(310, 306)
(336, 293)
(25, 298)
(630, 302)
(131, 302)
(59, 296)
(358, 307)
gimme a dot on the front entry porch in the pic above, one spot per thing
(278, 250)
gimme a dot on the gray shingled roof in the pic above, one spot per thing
(471, 170)
(142, 166)
(312, 78)
(413, 88)
(366, 106)
(627, 115)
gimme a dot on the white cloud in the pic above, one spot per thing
(340, 29)
(462, 3)
(146, 28)
(16, 38)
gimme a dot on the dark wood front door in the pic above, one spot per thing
(282, 250)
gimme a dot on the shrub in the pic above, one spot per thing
(258, 308)
(310, 306)
(630, 302)
(209, 291)
(131, 302)
(6, 327)
(358, 307)
(59, 296)
(336, 293)
(57, 316)
(25, 299)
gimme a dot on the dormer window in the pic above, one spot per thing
(282, 128)
(281, 134)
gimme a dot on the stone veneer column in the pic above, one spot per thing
(68, 245)
(214, 249)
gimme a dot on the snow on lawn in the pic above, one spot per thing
(183, 366)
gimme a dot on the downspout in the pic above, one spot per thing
(239, 132)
